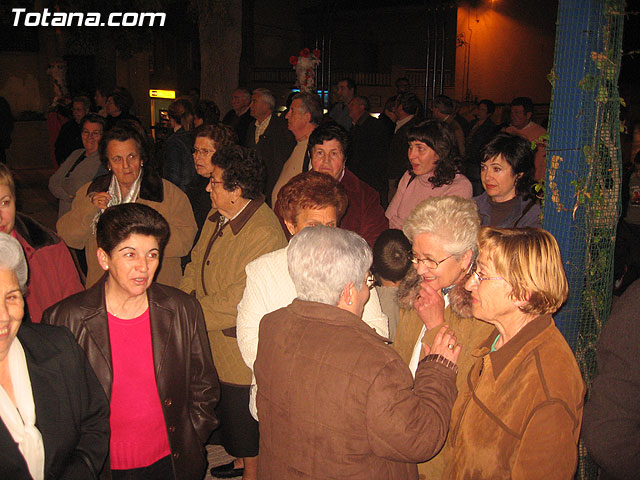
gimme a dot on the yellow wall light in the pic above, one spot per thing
(162, 93)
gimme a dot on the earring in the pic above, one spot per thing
(349, 302)
(142, 164)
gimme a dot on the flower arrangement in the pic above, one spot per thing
(304, 65)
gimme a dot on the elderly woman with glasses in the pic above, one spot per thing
(521, 414)
(125, 152)
(334, 400)
(240, 229)
(209, 138)
(54, 416)
(308, 199)
(443, 233)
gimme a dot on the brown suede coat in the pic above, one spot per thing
(520, 416)
(335, 402)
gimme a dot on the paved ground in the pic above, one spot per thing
(35, 200)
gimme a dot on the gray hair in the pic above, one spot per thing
(453, 220)
(266, 96)
(323, 260)
(12, 258)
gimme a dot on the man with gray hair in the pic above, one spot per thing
(328, 383)
(303, 117)
(269, 137)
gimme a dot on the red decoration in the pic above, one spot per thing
(305, 53)
(293, 60)
(317, 53)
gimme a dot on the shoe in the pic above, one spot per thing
(226, 471)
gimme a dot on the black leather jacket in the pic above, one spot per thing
(186, 377)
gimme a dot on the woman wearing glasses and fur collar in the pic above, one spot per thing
(443, 232)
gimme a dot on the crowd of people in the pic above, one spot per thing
(322, 295)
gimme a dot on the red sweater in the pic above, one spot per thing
(138, 431)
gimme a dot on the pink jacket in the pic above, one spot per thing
(411, 194)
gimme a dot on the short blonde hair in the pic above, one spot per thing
(454, 220)
(529, 260)
(7, 179)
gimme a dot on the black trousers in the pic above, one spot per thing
(160, 470)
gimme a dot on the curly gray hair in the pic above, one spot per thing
(453, 220)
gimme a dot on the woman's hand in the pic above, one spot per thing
(430, 306)
(101, 200)
(444, 344)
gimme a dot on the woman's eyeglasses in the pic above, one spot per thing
(427, 262)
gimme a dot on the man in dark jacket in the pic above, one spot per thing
(269, 137)
(367, 157)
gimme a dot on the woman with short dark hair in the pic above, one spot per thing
(435, 170)
(327, 149)
(507, 176)
(125, 151)
(241, 228)
(148, 345)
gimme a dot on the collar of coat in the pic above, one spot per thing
(94, 297)
(237, 223)
(332, 315)
(151, 188)
(500, 358)
(35, 234)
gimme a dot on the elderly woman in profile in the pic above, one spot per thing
(240, 229)
(308, 199)
(125, 152)
(148, 345)
(334, 400)
(54, 414)
(521, 416)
